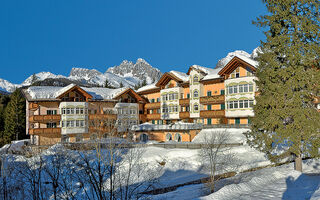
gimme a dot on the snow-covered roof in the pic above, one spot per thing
(147, 87)
(212, 75)
(183, 76)
(204, 69)
(249, 60)
(176, 126)
(52, 92)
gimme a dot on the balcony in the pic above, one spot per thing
(212, 113)
(37, 131)
(44, 118)
(152, 105)
(33, 106)
(155, 116)
(102, 116)
(184, 101)
(212, 99)
(184, 115)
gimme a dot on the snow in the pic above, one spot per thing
(15, 146)
(183, 76)
(147, 87)
(235, 134)
(204, 69)
(240, 54)
(52, 92)
(176, 126)
(213, 74)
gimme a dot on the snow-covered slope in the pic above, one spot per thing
(127, 73)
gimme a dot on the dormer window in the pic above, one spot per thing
(195, 79)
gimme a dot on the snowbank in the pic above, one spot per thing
(235, 134)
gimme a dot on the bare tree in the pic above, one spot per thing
(215, 156)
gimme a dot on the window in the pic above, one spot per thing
(152, 100)
(230, 104)
(235, 104)
(68, 111)
(177, 137)
(235, 89)
(168, 137)
(51, 112)
(175, 108)
(188, 95)
(143, 137)
(195, 79)
(250, 87)
(181, 96)
(196, 107)
(222, 92)
(63, 124)
(153, 122)
(230, 89)
(245, 88)
(158, 99)
(241, 88)
(241, 104)
(209, 121)
(209, 107)
(195, 94)
(222, 106)
(249, 71)
(64, 138)
(51, 125)
(251, 103)
(71, 111)
(246, 104)
(209, 93)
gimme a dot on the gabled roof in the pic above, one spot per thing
(166, 77)
(201, 69)
(132, 93)
(65, 90)
(235, 62)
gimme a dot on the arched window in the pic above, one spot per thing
(195, 79)
(177, 137)
(196, 107)
(168, 137)
(196, 94)
(143, 137)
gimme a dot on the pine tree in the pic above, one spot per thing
(288, 80)
(15, 118)
(144, 83)
(121, 85)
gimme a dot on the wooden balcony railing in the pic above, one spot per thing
(102, 116)
(44, 118)
(45, 130)
(184, 115)
(212, 113)
(33, 106)
(152, 105)
(212, 99)
(153, 116)
(184, 101)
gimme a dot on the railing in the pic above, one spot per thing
(44, 118)
(212, 113)
(226, 126)
(33, 106)
(153, 116)
(102, 116)
(184, 115)
(45, 130)
(152, 105)
(184, 101)
(212, 99)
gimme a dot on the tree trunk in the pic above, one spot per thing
(298, 163)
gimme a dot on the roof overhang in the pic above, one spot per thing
(166, 77)
(233, 64)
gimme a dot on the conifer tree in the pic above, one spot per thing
(288, 80)
(15, 118)
(106, 84)
(121, 85)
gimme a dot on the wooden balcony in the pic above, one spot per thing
(184, 101)
(33, 106)
(152, 105)
(184, 115)
(37, 131)
(153, 116)
(102, 116)
(212, 113)
(45, 118)
(212, 99)
(142, 117)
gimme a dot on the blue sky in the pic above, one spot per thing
(56, 35)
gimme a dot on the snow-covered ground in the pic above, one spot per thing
(280, 182)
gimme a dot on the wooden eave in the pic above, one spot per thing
(212, 81)
(77, 88)
(131, 92)
(233, 64)
(166, 77)
(153, 90)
